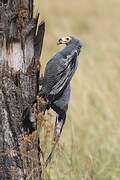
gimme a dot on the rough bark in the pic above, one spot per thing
(20, 50)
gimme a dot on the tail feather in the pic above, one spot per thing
(58, 126)
(57, 132)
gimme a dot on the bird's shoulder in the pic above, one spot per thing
(56, 61)
(57, 57)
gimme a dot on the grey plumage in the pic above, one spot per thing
(58, 74)
(56, 86)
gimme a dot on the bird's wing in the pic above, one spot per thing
(49, 76)
(64, 74)
(58, 73)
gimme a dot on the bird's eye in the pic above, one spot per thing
(68, 39)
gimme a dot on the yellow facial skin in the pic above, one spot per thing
(64, 40)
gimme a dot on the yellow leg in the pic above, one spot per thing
(41, 70)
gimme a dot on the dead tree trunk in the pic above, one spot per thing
(20, 50)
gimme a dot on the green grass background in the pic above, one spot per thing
(90, 142)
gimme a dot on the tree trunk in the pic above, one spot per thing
(20, 50)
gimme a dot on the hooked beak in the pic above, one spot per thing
(59, 41)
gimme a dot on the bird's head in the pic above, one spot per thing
(64, 40)
(69, 40)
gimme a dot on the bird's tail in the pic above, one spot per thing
(58, 126)
(57, 132)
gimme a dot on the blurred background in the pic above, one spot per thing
(90, 142)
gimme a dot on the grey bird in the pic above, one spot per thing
(58, 74)
(56, 85)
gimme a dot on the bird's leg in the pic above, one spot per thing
(41, 73)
